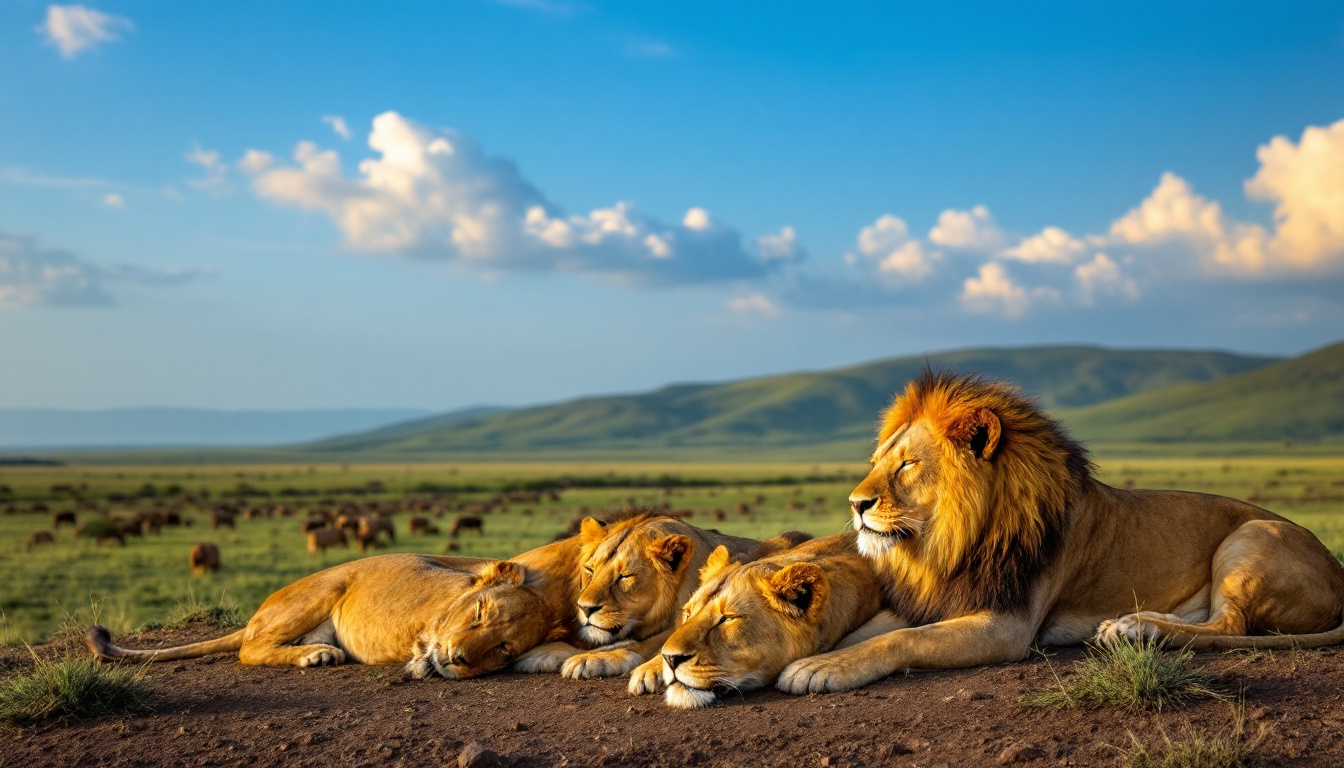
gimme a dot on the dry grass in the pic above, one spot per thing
(222, 614)
(1229, 748)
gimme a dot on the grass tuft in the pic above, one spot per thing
(194, 611)
(1230, 748)
(1131, 676)
(73, 687)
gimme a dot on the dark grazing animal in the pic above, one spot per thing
(466, 522)
(204, 557)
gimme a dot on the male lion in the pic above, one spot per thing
(634, 576)
(461, 617)
(747, 622)
(990, 534)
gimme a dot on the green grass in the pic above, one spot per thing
(149, 577)
(79, 686)
(1229, 748)
(192, 610)
(1130, 676)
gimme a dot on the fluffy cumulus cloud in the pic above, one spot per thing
(1305, 182)
(434, 194)
(887, 249)
(1051, 245)
(73, 29)
(1102, 277)
(972, 230)
(33, 275)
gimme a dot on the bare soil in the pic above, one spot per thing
(216, 712)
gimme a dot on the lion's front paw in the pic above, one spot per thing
(827, 673)
(544, 658)
(416, 669)
(322, 656)
(1129, 627)
(647, 677)
(600, 664)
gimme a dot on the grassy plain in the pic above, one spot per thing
(149, 577)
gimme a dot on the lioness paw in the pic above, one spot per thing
(600, 664)
(322, 656)
(827, 673)
(544, 658)
(647, 677)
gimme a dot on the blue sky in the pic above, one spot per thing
(532, 200)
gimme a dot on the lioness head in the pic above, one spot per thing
(486, 627)
(742, 627)
(631, 572)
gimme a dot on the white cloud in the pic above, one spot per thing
(1175, 213)
(782, 248)
(696, 218)
(1306, 183)
(338, 125)
(992, 290)
(33, 275)
(1102, 276)
(972, 230)
(756, 304)
(77, 28)
(1051, 246)
(216, 172)
(114, 200)
(899, 257)
(434, 194)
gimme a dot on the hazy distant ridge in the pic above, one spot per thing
(143, 427)
(793, 410)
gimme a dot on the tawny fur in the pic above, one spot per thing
(990, 534)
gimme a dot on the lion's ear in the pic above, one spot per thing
(798, 590)
(592, 530)
(502, 572)
(718, 560)
(672, 551)
(978, 430)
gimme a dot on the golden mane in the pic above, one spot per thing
(999, 520)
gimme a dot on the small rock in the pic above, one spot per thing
(307, 740)
(826, 762)
(476, 755)
(965, 695)
(285, 747)
(523, 726)
(1019, 753)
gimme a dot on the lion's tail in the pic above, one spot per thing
(99, 640)
(1258, 642)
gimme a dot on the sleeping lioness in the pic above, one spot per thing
(460, 617)
(747, 622)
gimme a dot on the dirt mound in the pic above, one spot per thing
(215, 712)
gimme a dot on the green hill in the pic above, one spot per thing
(1301, 399)
(804, 409)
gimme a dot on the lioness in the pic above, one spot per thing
(460, 617)
(990, 534)
(636, 570)
(747, 622)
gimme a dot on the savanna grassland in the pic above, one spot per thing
(148, 577)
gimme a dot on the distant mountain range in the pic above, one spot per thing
(1106, 397)
(27, 429)
(841, 407)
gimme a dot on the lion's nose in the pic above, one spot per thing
(861, 505)
(674, 660)
(590, 608)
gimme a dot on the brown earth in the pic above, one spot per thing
(215, 712)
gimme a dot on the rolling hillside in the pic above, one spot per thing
(1297, 399)
(791, 410)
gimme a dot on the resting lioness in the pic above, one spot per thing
(637, 568)
(460, 617)
(747, 622)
